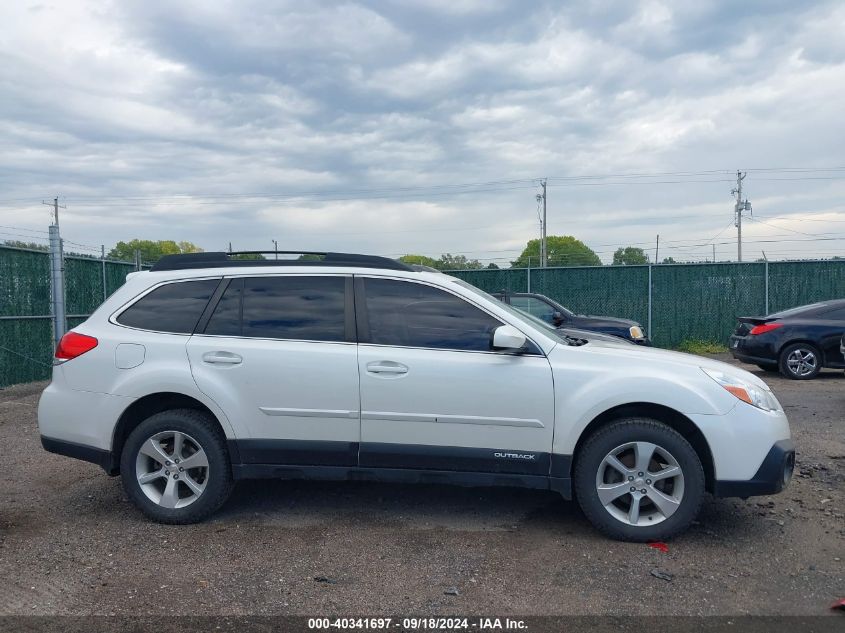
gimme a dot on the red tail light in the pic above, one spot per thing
(74, 344)
(766, 327)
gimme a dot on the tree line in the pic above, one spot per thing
(563, 250)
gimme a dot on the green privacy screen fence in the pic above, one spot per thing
(26, 324)
(680, 301)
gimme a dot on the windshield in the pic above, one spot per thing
(544, 327)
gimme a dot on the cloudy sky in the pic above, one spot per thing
(422, 126)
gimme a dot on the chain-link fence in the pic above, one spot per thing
(676, 302)
(26, 321)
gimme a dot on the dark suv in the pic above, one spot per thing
(554, 314)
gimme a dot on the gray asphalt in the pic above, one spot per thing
(71, 544)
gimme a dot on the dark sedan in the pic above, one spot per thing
(798, 342)
(554, 314)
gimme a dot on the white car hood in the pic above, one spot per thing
(665, 356)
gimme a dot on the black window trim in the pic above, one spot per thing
(113, 318)
(211, 306)
(348, 308)
(363, 322)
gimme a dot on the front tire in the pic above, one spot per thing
(639, 480)
(175, 467)
(800, 361)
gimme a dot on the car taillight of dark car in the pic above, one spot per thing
(765, 327)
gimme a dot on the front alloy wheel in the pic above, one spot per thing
(638, 479)
(640, 483)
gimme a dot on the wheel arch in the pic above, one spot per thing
(672, 418)
(149, 405)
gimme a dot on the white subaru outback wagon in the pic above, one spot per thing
(208, 369)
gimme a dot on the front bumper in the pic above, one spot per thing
(771, 478)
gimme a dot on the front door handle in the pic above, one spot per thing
(386, 367)
(221, 358)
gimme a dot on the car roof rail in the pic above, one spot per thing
(422, 268)
(221, 259)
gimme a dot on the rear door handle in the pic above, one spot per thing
(221, 358)
(386, 367)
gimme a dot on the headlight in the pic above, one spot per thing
(744, 390)
(636, 331)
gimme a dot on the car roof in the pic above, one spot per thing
(220, 259)
(811, 308)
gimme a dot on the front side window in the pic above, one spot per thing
(174, 307)
(294, 307)
(409, 314)
(534, 307)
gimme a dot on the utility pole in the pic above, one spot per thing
(714, 253)
(57, 274)
(740, 206)
(56, 207)
(543, 247)
(657, 250)
(103, 263)
(276, 248)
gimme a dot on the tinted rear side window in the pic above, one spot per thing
(414, 315)
(303, 308)
(174, 307)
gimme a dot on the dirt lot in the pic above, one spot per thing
(71, 544)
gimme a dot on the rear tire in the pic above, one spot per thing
(175, 466)
(800, 361)
(639, 480)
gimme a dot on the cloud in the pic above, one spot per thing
(343, 121)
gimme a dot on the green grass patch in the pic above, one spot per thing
(694, 346)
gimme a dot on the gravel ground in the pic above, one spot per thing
(71, 544)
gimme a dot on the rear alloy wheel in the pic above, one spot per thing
(172, 469)
(175, 466)
(800, 361)
(639, 480)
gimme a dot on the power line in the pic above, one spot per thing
(676, 177)
(782, 228)
(799, 217)
(19, 228)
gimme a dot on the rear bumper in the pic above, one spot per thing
(754, 350)
(103, 458)
(771, 478)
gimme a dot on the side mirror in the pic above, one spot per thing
(557, 318)
(508, 338)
